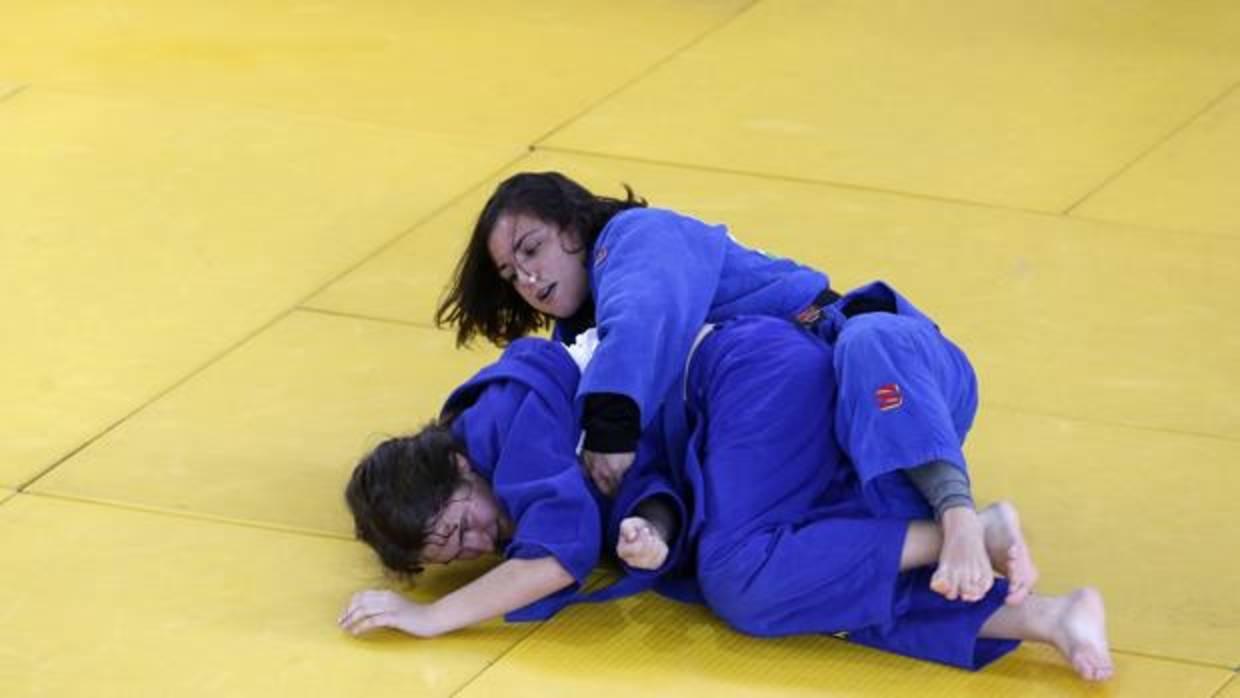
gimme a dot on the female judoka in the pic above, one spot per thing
(545, 249)
(496, 473)
(767, 517)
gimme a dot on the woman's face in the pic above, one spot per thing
(470, 525)
(545, 264)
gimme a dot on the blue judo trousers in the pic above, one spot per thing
(790, 535)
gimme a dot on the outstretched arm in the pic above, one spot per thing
(513, 584)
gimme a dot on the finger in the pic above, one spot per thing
(626, 554)
(365, 604)
(354, 624)
(355, 608)
(369, 623)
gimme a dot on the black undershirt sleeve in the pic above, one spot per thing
(612, 423)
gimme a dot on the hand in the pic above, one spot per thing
(373, 609)
(607, 469)
(641, 546)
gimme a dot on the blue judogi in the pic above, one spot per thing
(519, 429)
(656, 276)
(906, 395)
(785, 541)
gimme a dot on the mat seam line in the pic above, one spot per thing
(14, 92)
(1156, 145)
(372, 318)
(793, 179)
(1110, 423)
(187, 515)
(848, 186)
(264, 326)
(1232, 679)
(1186, 661)
(649, 70)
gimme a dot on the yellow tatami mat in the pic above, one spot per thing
(1187, 184)
(678, 650)
(499, 70)
(1147, 516)
(271, 432)
(225, 227)
(104, 602)
(140, 241)
(1027, 105)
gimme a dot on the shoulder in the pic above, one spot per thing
(637, 221)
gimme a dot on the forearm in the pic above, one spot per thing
(512, 585)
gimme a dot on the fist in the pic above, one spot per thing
(640, 545)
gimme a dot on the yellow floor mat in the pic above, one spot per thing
(271, 432)
(101, 601)
(1105, 506)
(141, 240)
(497, 70)
(1188, 183)
(1009, 103)
(669, 649)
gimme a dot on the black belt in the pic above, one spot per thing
(813, 312)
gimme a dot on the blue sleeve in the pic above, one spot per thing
(639, 487)
(654, 278)
(544, 490)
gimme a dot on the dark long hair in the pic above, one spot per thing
(398, 489)
(478, 301)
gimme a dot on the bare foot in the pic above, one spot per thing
(964, 570)
(1080, 635)
(1005, 543)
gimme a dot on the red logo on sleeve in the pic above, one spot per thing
(888, 397)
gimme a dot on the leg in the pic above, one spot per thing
(907, 398)
(780, 551)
